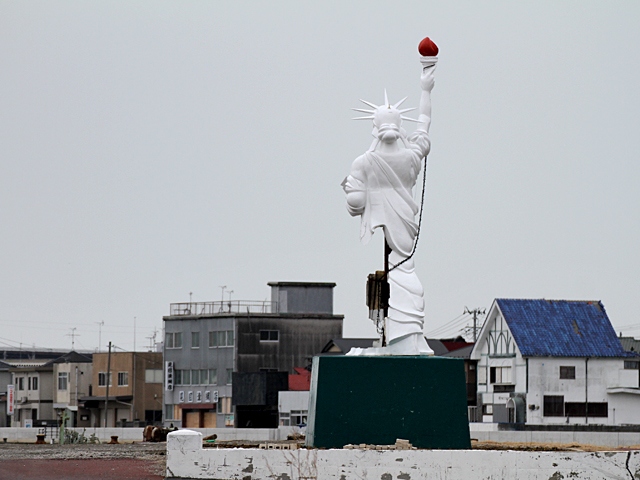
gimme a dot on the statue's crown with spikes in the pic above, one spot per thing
(385, 113)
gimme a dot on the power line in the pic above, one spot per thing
(451, 324)
(447, 328)
(475, 312)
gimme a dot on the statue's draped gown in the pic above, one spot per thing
(388, 181)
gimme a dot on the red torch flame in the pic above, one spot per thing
(427, 48)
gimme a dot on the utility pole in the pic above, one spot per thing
(106, 398)
(76, 414)
(475, 313)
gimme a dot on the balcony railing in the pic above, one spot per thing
(216, 308)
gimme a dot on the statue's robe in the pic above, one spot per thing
(388, 182)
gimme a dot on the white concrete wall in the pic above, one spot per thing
(28, 435)
(602, 439)
(127, 435)
(187, 459)
(478, 431)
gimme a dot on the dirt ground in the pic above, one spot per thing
(140, 461)
(547, 447)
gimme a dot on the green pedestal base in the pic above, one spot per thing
(376, 400)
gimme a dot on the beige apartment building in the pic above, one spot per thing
(130, 385)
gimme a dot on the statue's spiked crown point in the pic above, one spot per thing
(385, 106)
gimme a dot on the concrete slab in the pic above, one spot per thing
(222, 464)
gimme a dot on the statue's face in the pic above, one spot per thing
(387, 115)
(387, 120)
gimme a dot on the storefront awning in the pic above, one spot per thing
(98, 402)
(197, 406)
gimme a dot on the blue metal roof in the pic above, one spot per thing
(561, 328)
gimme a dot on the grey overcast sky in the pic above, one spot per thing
(152, 149)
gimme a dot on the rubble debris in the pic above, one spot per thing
(278, 446)
(400, 444)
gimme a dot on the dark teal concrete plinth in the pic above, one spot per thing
(376, 400)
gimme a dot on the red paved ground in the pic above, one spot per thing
(85, 469)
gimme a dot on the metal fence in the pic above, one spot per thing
(216, 308)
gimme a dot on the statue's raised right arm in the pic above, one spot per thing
(427, 81)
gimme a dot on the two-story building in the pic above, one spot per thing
(33, 392)
(257, 344)
(5, 381)
(12, 361)
(554, 361)
(71, 380)
(128, 387)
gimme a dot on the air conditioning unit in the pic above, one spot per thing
(23, 399)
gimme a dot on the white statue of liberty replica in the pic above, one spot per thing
(429, 413)
(380, 190)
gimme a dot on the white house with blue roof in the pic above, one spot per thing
(553, 362)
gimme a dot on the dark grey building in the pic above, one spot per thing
(207, 342)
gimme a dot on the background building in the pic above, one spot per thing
(207, 342)
(554, 362)
(72, 380)
(134, 389)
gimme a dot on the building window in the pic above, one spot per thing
(575, 409)
(186, 377)
(284, 419)
(195, 339)
(269, 335)
(482, 375)
(631, 364)
(229, 376)
(195, 377)
(298, 417)
(33, 383)
(123, 379)
(591, 409)
(504, 388)
(553, 406)
(20, 382)
(168, 412)
(153, 375)
(224, 405)
(500, 374)
(213, 376)
(63, 380)
(222, 338)
(598, 409)
(567, 373)
(173, 340)
(177, 377)
(102, 379)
